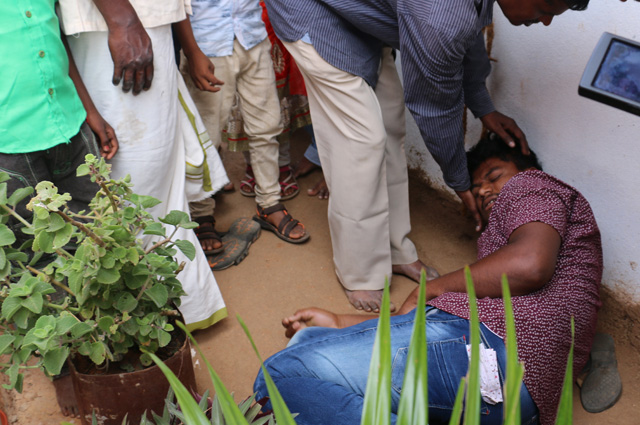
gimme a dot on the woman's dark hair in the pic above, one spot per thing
(492, 146)
(577, 4)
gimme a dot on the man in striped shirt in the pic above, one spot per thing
(344, 51)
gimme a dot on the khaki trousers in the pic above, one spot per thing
(360, 135)
(249, 73)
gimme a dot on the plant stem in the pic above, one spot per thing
(16, 215)
(62, 307)
(157, 245)
(82, 227)
(50, 280)
(107, 192)
(19, 367)
(144, 288)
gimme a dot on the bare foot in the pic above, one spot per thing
(66, 397)
(368, 301)
(412, 271)
(304, 167)
(321, 190)
(229, 187)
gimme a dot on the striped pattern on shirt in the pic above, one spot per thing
(444, 61)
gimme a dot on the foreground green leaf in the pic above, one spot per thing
(377, 398)
(565, 407)
(188, 405)
(472, 408)
(414, 404)
(282, 414)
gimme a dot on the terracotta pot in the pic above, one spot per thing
(113, 396)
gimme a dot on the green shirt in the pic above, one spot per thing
(39, 105)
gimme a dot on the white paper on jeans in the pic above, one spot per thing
(490, 387)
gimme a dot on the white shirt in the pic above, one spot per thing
(78, 16)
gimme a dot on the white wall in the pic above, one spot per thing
(594, 147)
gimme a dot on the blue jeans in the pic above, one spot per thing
(312, 151)
(322, 374)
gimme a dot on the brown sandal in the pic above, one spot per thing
(284, 228)
(206, 231)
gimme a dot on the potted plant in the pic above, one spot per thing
(83, 289)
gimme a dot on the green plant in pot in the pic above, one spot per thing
(83, 287)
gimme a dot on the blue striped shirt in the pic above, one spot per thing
(444, 61)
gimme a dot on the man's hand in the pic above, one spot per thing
(105, 134)
(202, 72)
(132, 56)
(309, 317)
(507, 129)
(469, 201)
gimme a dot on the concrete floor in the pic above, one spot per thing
(277, 278)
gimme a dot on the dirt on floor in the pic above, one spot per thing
(277, 278)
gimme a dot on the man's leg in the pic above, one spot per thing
(391, 97)
(263, 123)
(351, 139)
(214, 108)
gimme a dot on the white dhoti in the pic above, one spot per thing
(156, 141)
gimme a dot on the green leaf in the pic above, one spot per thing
(158, 294)
(148, 201)
(85, 348)
(105, 323)
(65, 322)
(164, 338)
(126, 302)
(6, 235)
(98, 352)
(456, 413)
(17, 256)
(19, 195)
(187, 249)
(472, 408)
(44, 242)
(155, 228)
(565, 407)
(108, 276)
(10, 306)
(33, 303)
(232, 414)
(133, 256)
(83, 170)
(63, 236)
(80, 329)
(377, 399)
(5, 342)
(3, 260)
(189, 407)
(515, 369)
(56, 222)
(414, 405)
(54, 360)
(175, 218)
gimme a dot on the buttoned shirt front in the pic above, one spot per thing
(83, 16)
(39, 105)
(216, 23)
(444, 61)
